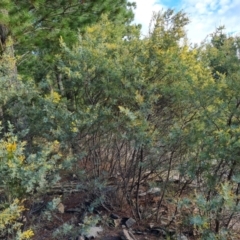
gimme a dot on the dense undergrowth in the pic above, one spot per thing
(112, 105)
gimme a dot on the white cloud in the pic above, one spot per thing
(205, 15)
(144, 12)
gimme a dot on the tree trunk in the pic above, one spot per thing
(7, 51)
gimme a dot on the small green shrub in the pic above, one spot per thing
(22, 177)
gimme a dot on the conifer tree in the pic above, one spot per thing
(36, 26)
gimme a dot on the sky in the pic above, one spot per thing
(205, 15)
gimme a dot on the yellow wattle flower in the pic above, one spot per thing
(27, 235)
(11, 147)
(56, 97)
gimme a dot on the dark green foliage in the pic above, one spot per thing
(36, 27)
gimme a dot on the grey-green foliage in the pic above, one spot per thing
(128, 96)
(211, 137)
(67, 230)
(129, 106)
(24, 174)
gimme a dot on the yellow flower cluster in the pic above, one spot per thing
(56, 97)
(11, 147)
(91, 29)
(56, 145)
(10, 214)
(27, 235)
(74, 128)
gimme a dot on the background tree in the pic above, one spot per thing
(36, 35)
(35, 39)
